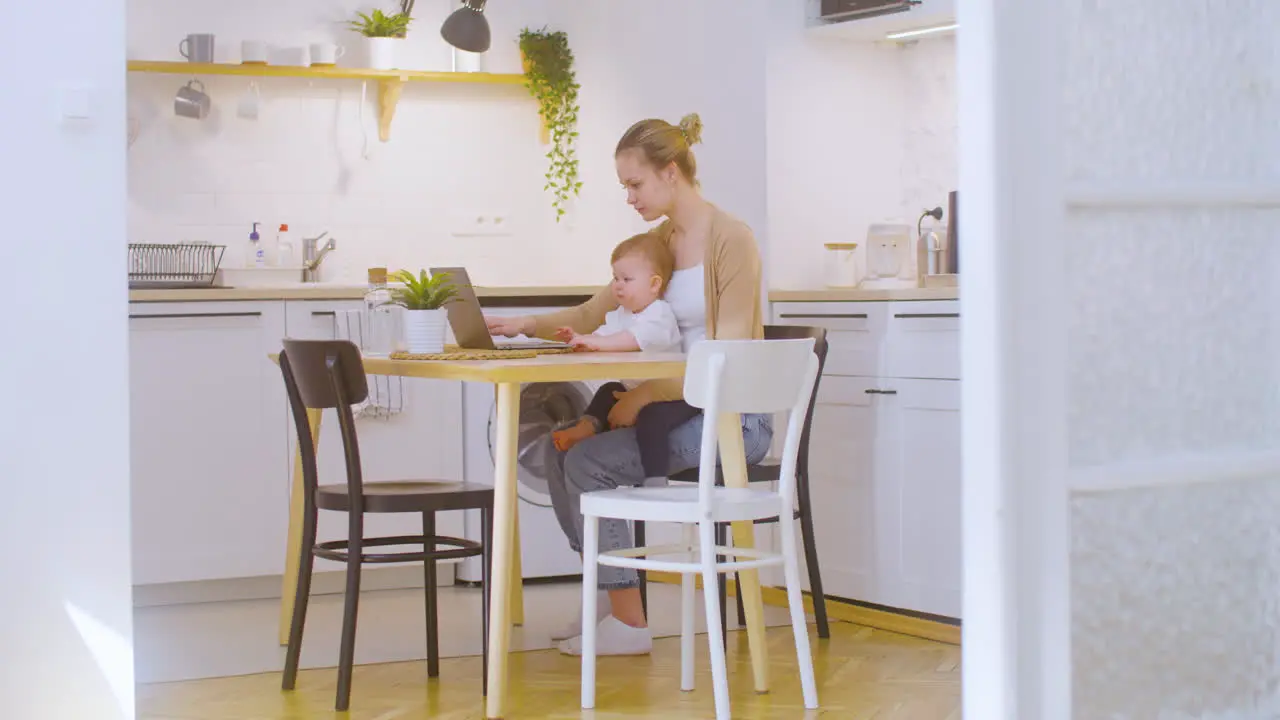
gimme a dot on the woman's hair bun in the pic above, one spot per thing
(691, 128)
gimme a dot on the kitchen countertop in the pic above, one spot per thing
(497, 295)
(864, 295)
(342, 291)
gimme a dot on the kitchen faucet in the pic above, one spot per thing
(313, 256)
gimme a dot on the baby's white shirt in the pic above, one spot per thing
(655, 328)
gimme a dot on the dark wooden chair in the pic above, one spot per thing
(769, 473)
(323, 374)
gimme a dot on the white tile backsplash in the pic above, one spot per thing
(859, 133)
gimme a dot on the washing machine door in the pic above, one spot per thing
(543, 407)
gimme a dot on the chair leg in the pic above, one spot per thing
(811, 558)
(306, 563)
(350, 610)
(742, 611)
(722, 532)
(638, 532)
(429, 586)
(688, 600)
(590, 575)
(795, 603)
(719, 673)
(486, 574)
(722, 538)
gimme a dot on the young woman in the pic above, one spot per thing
(715, 293)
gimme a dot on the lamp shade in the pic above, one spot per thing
(467, 29)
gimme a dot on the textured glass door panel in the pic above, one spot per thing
(1175, 597)
(1173, 333)
(1172, 91)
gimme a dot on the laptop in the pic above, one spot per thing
(467, 321)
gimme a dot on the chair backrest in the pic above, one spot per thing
(318, 375)
(819, 335)
(751, 376)
(313, 363)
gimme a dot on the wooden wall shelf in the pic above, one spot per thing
(390, 82)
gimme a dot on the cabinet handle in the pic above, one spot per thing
(926, 315)
(194, 315)
(859, 316)
(875, 391)
(323, 313)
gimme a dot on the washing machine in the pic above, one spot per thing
(545, 552)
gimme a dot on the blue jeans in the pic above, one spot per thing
(611, 460)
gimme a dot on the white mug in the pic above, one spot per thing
(253, 52)
(326, 53)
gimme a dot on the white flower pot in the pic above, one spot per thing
(424, 331)
(382, 52)
(464, 61)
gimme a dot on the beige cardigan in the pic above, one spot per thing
(731, 272)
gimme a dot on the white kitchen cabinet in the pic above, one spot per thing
(885, 452)
(923, 340)
(928, 425)
(424, 441)
(855, 550)
(207, 415)
(856, 333)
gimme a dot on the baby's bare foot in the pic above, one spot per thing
(567, 438)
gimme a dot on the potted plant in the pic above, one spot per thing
(381, 32)
(549, 75)
(423, 297)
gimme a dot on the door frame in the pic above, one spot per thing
(1016, 652)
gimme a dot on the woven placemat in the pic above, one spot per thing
(453, 352)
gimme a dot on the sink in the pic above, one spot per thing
(259, 277)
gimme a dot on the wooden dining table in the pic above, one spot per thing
(505, 588)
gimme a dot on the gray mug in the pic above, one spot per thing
(197, 48)
(192, 103)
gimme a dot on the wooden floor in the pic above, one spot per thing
(863, 674)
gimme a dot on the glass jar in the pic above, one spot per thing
(384, 320)
(841, 264)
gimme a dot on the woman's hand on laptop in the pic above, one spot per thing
(510, 326)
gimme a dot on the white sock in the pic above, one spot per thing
(613, 637)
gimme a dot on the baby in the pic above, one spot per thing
(642, 266)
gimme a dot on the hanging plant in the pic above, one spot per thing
(548, 72)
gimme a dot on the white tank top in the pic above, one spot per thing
(686, 293)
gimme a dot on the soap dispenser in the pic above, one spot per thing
(257, 256)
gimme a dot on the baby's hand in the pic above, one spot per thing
(565, 334)
(584, 342)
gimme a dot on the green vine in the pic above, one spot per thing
(548, 72)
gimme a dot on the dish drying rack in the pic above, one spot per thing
(176, 265)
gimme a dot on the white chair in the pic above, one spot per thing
(722, 376)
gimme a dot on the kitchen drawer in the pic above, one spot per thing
(855, 333)
(924, 340)
(838, 390)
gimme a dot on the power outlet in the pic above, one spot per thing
(482, 225)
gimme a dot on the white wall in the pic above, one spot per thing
(674, 58)
(453, 151)
(66, 628)
(858, 133)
